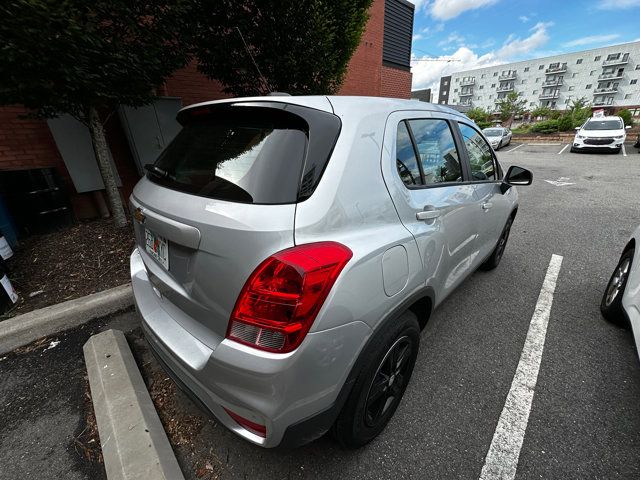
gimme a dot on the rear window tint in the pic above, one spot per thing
(241, 154)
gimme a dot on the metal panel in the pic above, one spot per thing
(74, 144)
(149, 129)
(398, 29)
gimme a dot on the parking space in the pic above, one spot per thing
(561, 148)
(583, 418)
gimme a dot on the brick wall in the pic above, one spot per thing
(192, 86)
(395, 83)
(364, 72)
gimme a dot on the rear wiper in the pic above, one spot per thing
(151, 168)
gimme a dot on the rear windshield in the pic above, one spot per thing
(241, 154)
(603, 125)
(492, 132)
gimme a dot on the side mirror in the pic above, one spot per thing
(628, 127)
(516, 176)
(577, 129)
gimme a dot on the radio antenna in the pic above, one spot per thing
(246, 47)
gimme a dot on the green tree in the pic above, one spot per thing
(541, 112)
(511, 106)
(80, 57)
(579, 110)
(481, 117)
(297, 47)
(625, 114)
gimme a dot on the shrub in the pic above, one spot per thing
(625, 114)
(546, 126)
(565, 123)
(555, 114)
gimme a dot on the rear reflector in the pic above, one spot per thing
(282, 297)
(253, 427)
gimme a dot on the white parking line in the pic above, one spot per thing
(624, 152)
(521, 145)
(502, 458)
(563, 149)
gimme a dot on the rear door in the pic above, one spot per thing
(429, 188)
(491, 207)
(221, 199)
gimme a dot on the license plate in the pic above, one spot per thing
(157, 247)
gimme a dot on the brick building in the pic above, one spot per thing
(379, 67)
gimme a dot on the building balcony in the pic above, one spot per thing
(549, 95)
(505, 88)
(507, 76)
(467, 82)
(600, 91)
(599, 103)
(466, 94)
(556, 69)
(552, 83)
(466, 103)
(618, 61)
(611, 76)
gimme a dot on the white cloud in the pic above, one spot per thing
(416, 37)
(448, 9)
(524, 18)
(452, 38)
(591, 40)
(419, 3)
(426, 74)
(618, 4)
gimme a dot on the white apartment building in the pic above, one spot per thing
(607, 77)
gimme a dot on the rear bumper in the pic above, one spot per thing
(298, 393)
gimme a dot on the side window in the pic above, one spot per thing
(483, 166)
(406, 162)
(437, 151)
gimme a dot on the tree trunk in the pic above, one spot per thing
(101, 151)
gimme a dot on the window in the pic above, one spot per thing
(574, 75)
(482, 76)
(490, 97)
(480, 157)
(436, 149)
(633, 82)
(457, 80)
(591, 73)
(495, 74)
(532, 104)
(627, 96)
(398, 30)
(579, 61)
(523, 82)
(445, 83)
(455, 90)
(540, 67)
(444, 93)
(537, 80)
(535, 92)
(572, 88)
(406, 162)
(597, 59)
(526, 69)
(588, 87)
(638, 67)
(481, 87)
(493, 85)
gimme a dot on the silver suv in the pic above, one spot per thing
(291, 248)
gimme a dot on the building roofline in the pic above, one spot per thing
(545, 58)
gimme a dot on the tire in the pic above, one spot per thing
(363, 417)
(611, 304)
(494, 259)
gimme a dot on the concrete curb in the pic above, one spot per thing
(134, 444)
(26, 328)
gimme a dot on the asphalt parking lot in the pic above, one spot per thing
(584, 420)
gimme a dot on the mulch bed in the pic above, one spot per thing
(52, 268)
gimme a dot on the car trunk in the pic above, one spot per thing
(218, 201)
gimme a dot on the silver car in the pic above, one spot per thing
(498, 136)
(621, 300)
(290, 249)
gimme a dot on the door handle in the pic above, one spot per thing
(487, 205)
(427, 214)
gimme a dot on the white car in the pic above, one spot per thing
(621, 299)
(498, 136)
(602, 133)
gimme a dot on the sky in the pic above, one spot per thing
(482, 33)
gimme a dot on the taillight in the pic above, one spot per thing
(253, 427)
(282, 297)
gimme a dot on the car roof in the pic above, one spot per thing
(341, 105)
(608, 117)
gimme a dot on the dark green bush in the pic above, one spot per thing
(565, 123)
(625, 114)
(546, 126)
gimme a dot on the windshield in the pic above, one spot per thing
(603, 125)
(492, 132)
(248, 155)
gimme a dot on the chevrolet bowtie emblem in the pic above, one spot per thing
(139, 216)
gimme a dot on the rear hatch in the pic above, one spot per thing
(221, 199)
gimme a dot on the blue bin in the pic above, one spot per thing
(7, 227)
